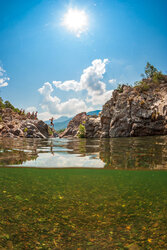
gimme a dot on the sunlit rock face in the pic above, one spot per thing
(136, 113)
(73, 126)
(131, 111)
(93, 127)
(15, 125)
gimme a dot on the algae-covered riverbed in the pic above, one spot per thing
(83, 194)
(82, 209)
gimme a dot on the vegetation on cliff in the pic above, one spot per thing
(7, 104)
(16, 123)
(81, 131)
(151, 78)
(138, 110)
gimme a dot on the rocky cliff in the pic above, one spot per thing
(131, 111)
(73, 125)
(136, 111)
(13, 124)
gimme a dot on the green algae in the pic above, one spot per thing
(82, 209)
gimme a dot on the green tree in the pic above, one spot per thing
(81, 131)
(150, 70)
(8, 105)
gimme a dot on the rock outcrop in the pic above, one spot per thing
(93, 126)
(131, 111)
(15, 125)
(136, 113)
(72, 128)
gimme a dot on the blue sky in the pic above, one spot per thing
(40, 55)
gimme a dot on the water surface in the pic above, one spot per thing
(115, 153)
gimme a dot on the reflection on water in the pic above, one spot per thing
(115, 153)
(135, 153)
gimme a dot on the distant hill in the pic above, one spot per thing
(60, 119)
(62, 122)
(95, 112)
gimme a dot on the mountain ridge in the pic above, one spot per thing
(62, 121)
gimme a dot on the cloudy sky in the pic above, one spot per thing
(62, 57)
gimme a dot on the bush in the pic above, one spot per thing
(50, 132)
(151, 77)
(142, 86)
(8, 105)
(157, 77)
(120, 88)
(150, 70)
(81, 131)
(26, 129)
(17, 110)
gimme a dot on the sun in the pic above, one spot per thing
(76, 21)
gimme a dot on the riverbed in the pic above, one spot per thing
(81, 194)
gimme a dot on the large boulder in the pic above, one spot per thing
(72, 128)
(35, 129)
(42, 127)
(93, 127)
(92, 124)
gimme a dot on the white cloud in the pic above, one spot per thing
(4, 84)
(45, 116)
(91, 79)
(1, 69)
(57, 83)
(46, 91)
(58, 160)
(100, 99)
(92, 76)
(112, 81)
(31, 109)
(68, 85)
(72, 106)
(3, 79)
(53, 105)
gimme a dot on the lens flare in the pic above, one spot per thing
(76, 21)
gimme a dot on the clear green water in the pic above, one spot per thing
(100, 208)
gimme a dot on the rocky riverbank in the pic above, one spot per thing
(16, 125)
(132, 111)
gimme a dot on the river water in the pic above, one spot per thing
(81, 194)
(115, 153)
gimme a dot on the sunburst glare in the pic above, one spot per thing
(76, 21)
